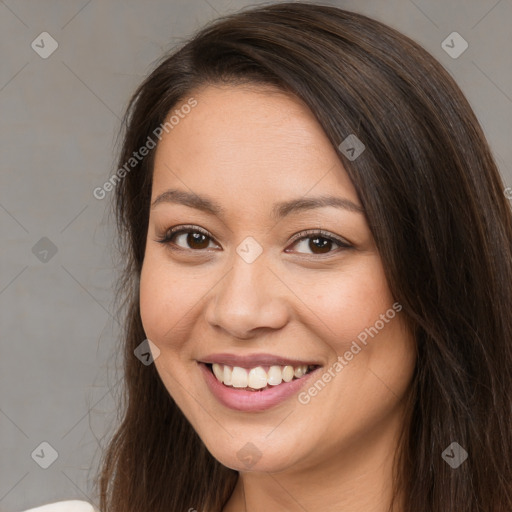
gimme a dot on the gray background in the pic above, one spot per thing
(59, 370)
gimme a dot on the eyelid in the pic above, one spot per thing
(187, 227)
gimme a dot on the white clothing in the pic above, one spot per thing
(65, 506)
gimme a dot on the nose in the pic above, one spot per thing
(248, 300)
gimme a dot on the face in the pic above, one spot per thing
(270, 265)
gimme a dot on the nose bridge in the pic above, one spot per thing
(247, 298)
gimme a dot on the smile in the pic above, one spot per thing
(257, 382)
(258, 378)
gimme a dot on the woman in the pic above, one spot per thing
(318, 278)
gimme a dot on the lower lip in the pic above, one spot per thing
(252, 401)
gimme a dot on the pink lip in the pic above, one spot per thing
(251, 361)
(252, 401)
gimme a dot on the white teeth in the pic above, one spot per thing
(288, 373)
(239, 377)
(275, 375)
(300, 371)
(218, 371)
(227, 375)
(257, 378)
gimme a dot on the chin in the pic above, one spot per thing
(256, 452)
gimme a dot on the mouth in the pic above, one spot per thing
(258, 378)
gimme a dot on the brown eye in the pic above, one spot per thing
(184, 238)
(318, 243)
(197, 240)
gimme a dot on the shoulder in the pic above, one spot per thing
(65, 506)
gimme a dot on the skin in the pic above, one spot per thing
(248, 147)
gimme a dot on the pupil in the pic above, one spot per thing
(320, 244)
(197, 240)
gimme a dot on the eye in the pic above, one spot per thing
(319, 242)
(193, 237)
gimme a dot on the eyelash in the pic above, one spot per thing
(303, 235)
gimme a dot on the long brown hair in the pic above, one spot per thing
(436, 207)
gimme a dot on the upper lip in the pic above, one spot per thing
(253, 360)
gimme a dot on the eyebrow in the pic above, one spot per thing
(280, 210)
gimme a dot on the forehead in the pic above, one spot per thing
(252, 139)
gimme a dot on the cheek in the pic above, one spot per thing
(164, 298)
(153, 298)
(348, 302)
